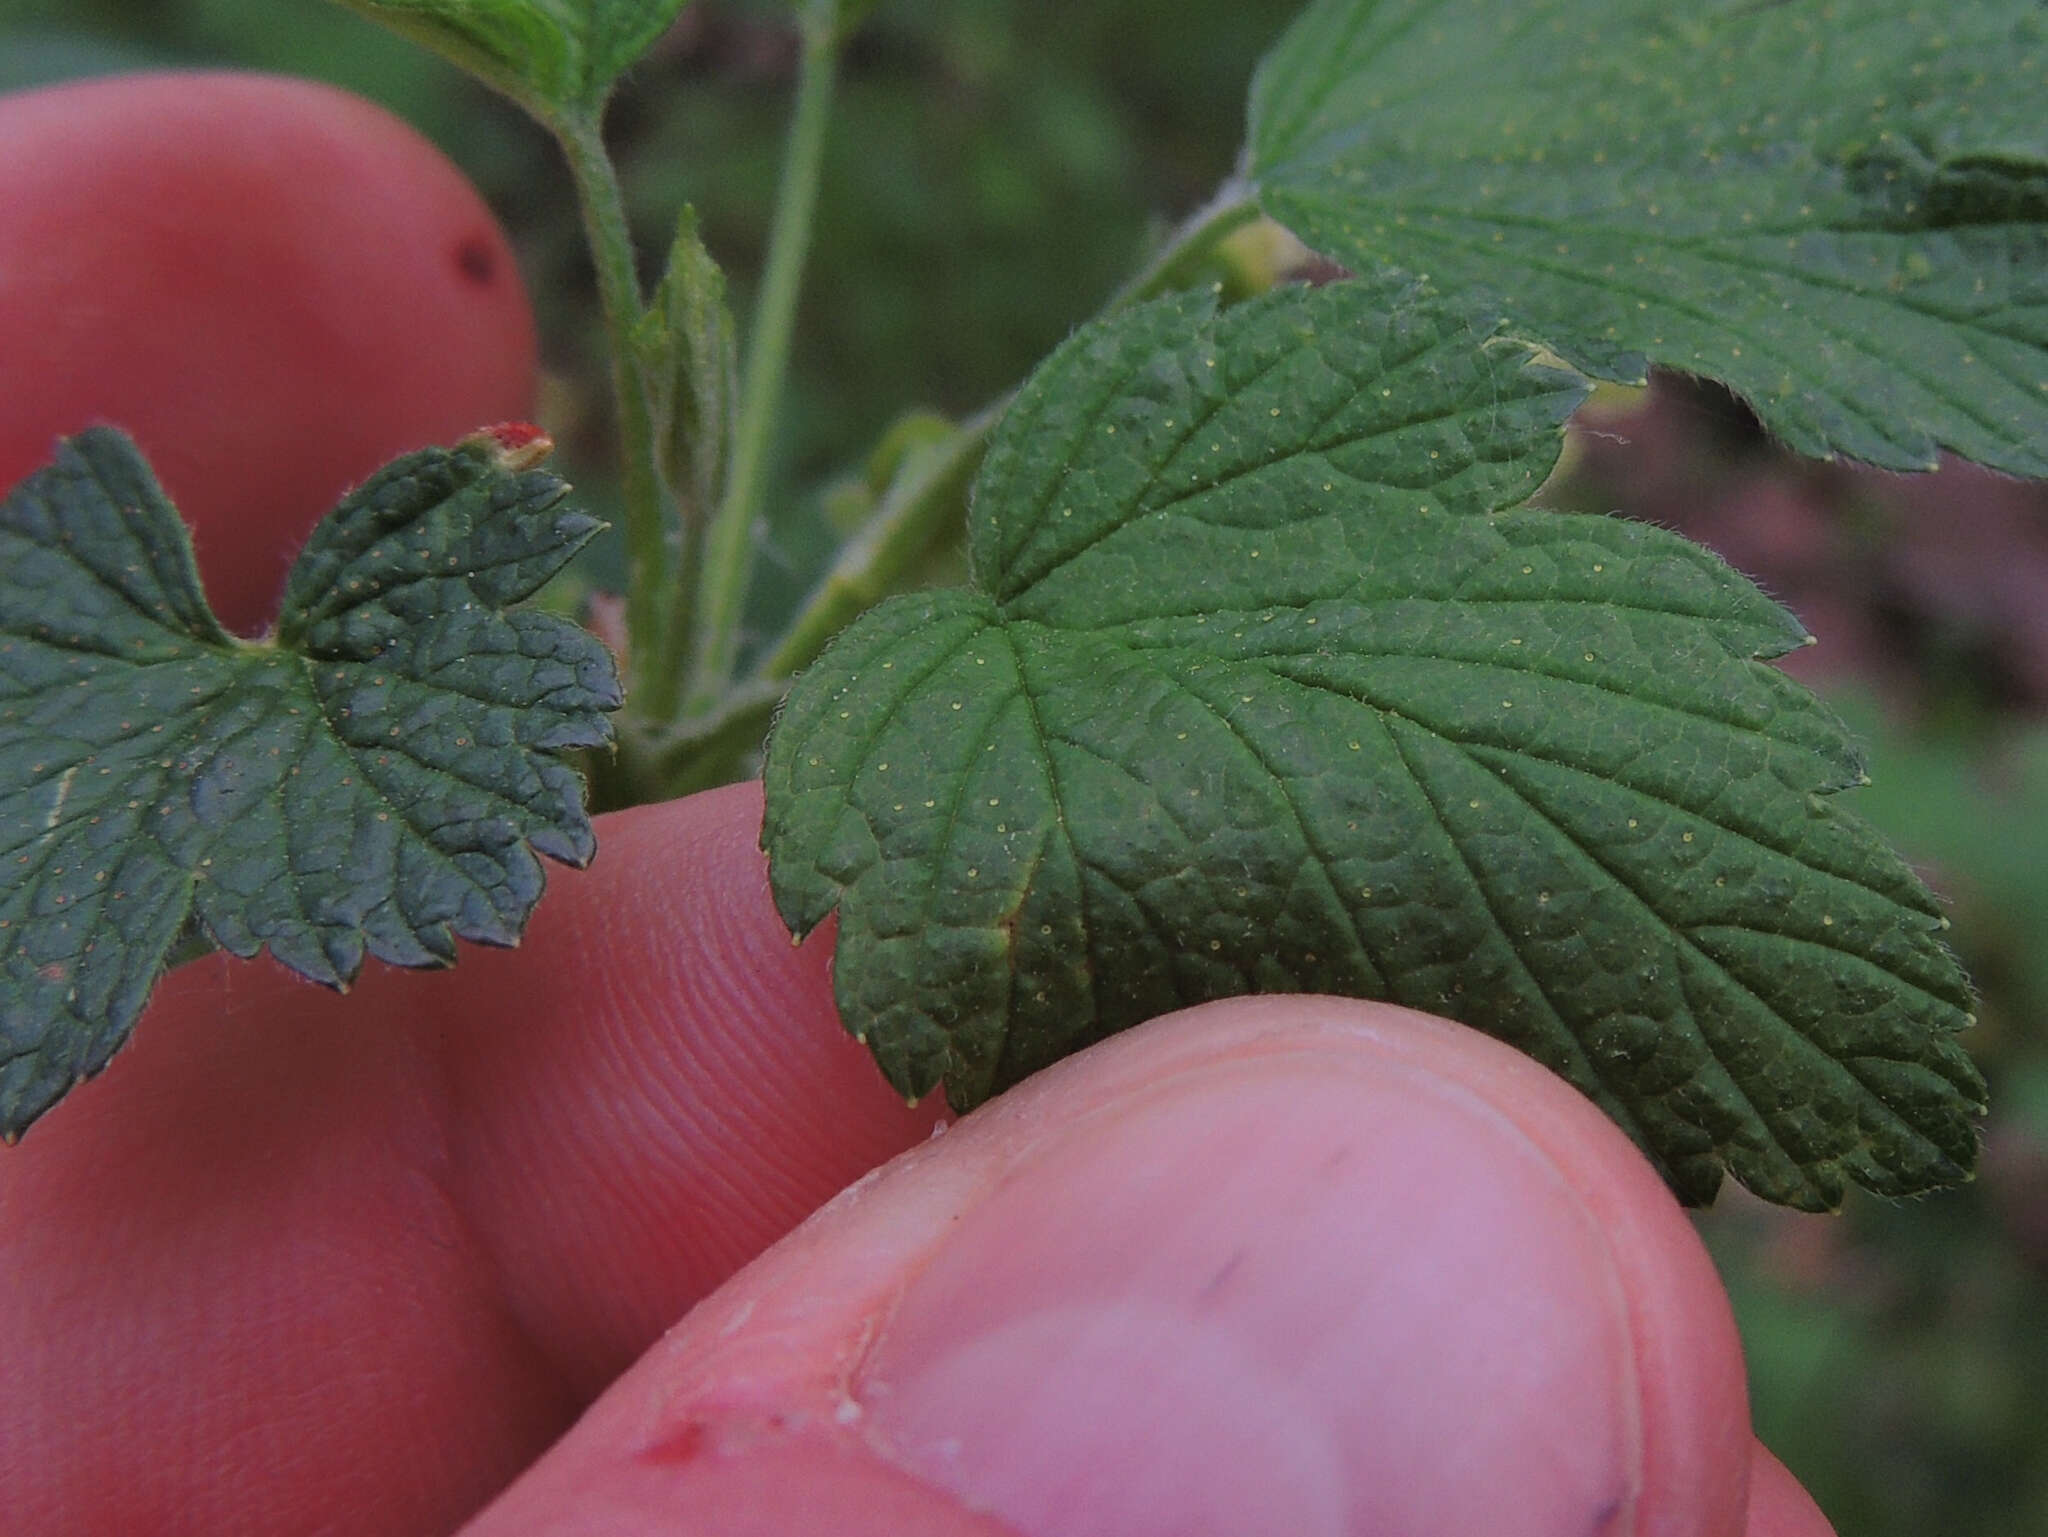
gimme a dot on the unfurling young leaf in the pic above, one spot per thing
(554, 56)
(688, 349)
(1837, 207)
(1267, 682)
(376, 780)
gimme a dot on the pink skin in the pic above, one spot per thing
(1323, 1265)
(272, 285)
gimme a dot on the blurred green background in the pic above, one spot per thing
(996, 168)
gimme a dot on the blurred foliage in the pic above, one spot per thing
(996, 168)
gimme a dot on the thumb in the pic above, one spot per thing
(1275, 1265)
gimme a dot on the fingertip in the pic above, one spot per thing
(1779, 1505)
(655, 1086)
(495, 1185)
(1451, 1222)
(1688, 1366)
(1286, 1264)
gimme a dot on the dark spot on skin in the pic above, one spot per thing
(476, 261)
(1216, 1282)
(1607, 1520)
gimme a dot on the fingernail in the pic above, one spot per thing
(1285, 1296)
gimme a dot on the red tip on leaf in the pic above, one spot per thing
(517, 445)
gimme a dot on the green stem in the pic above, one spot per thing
(919, 508)
(650, 662)
(722, 578)
(714, 749)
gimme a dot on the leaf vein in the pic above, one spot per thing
(1320, 860)
(1610, 1098)
(1059, 810)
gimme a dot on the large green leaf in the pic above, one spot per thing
(1259, 690)
(552, 55)
(376, 781)
(1839, 207)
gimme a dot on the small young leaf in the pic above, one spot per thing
(375, 781)
(1259, 689)
(1838, 207)
(553, 56)
(689, 352)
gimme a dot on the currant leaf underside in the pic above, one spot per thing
(377, 781)
(1837, 207)
(1269, 683)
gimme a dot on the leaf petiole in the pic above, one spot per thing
(921, 505)
(1177, 262)
(650, 527)
(715, 749)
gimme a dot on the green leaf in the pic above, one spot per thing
(376, 781)
(1838, 207)
(1260, 690)
(553, 56)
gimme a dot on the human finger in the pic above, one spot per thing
(1778, 1505)
(295, 1252)
(1271, 1265)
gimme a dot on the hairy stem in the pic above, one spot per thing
(716, 748)
(651, 660)
(722, 578)
(920, 508)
